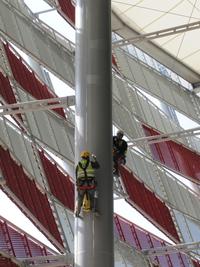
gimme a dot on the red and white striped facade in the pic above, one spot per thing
(44, 191)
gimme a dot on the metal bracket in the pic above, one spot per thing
(164, 137)
(37, 105)
(158, 34)
(184, 247)
(49, 260)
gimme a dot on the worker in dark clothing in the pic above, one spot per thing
(85, 180)
(119, 151)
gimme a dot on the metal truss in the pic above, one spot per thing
(130, 254)
(158, 34)
(37, 105)
(11, 258)
(73, 2)
(49, 260)
(52, 3)
(164, 137)
(184, 247)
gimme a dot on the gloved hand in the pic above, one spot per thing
(93, 157)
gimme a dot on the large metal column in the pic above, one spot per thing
(94, 235)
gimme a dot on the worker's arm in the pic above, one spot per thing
(94, 162)
(125, 147)
(76, 171)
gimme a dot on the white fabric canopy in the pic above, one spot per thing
(146, 16)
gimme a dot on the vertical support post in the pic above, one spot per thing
(94, 235)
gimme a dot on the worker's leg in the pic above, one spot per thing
(79, 201)
(93, 200)
(115, 164)
(122, 160)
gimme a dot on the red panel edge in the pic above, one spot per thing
(147, 201)
(28, 193)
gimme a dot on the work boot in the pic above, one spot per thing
(76, 214)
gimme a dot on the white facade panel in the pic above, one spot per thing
(157, 85)
(37, 41)
(190, 229)
(66, 221)
(50, 129)
(3, 133)
(127, 256)
(145, 170)
(120, 92)
(152, 82)
(27, 36)
(21, 147)
(142, 108)
(123, 62)
(64, 145)
(45, 130)
(125, 120)
(9, 22)
(136, 72)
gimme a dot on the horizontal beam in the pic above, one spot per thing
(158, 34)
(185, 247)
(44, 11)
(164, 137)
(52, 264)
(13, 259)
(57, 260)
(37, 105)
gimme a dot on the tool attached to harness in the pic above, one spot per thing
(86, 203)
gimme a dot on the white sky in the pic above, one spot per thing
(120, 206)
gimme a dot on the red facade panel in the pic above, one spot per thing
(6, 91)
(5, 242)
(175, 156)
(5, 262)
(142, 239)
(114, 63)
(18, 244)
(27, 192)
(68, 9)
(196, 263)
(28, 80)
(61, 186)
(146, 201)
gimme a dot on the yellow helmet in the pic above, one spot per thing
(85, 154)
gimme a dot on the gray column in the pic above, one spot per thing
(94, 235)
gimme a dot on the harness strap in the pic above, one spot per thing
(88, 180)
(84, 168)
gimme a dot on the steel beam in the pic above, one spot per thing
(94, 235)
(13, 259)
(185, 247)
(164, 137)
(36, 105)
(44, 11)
(158, 34)
(49, 260)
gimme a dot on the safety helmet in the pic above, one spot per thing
(120, 133)
(85, 154)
